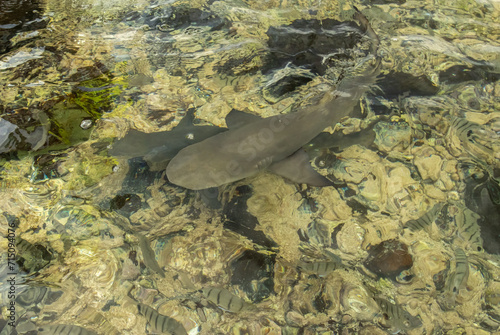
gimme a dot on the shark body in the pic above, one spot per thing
(272, 143)
(216, 156)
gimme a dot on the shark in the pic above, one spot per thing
(253, 144)
(157, 149)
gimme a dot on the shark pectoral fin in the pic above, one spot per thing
(296, 167)
(158, 158)
(210, 197)
(236, 119)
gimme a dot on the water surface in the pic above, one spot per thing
(407, 241)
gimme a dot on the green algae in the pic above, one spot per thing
(97, 96)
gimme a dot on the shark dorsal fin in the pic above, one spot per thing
(188, 119)
(236, 119)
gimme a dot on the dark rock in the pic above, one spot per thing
(461, 73)
(254, 272)
(183, 17)
(283, 86)
(31, 257)
(482, 196)
(356, 206)
(395, 84)
(335, 232)
(321, 301)
(238, 219)
(439, 278)
(237, 66)
(19, 16)
(46, 166)
(306, 43)
(388, 259)
(126, 203)
(38, 295)
(139, 176)
(88, 73)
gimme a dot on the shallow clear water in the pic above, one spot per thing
(406, 241)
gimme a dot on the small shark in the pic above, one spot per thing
(273, 143)
(139, 144)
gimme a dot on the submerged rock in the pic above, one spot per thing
(482, 196)
(14, 138)
(58, 126)
(357, 302)
(306, 42)
(395, 84)
(239, 220)
(390, 135)
(275, 90)
(462, 73)
(35, 296)
(139, 176)
(254, 272)
(388, 259)
(32, 257)
(126, 204)
(46, 166)
(395, 318)
(17, 18)
(428, 163)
